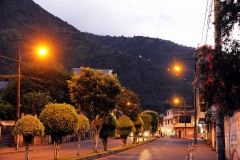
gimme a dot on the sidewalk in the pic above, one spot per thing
(202, 151)
(10, 150)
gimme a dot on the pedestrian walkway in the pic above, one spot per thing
(202, 151)
(10, 150)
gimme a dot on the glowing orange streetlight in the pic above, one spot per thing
(41, 51)
(177, 68)
(176, 100)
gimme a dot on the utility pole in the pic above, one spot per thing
(18, 97)
(195, 103)
(220, 116)
(195, 99)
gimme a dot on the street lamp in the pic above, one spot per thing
(195, 98)
(41, 51)
(19, 60)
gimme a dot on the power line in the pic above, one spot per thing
(209, 19)
(204, 22)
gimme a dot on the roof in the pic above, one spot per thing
(7, 122)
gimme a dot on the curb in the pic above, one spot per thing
(107, 153)
(190, 156)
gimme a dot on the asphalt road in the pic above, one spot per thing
(160, 149)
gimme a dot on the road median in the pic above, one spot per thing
(102, 153)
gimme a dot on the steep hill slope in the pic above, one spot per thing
(24, 25)
(163, 52)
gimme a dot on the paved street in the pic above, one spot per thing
(160, 149)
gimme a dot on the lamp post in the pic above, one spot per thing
(195, 104)
(195, 97)
(41, 51)
(19, 60)
(185, 133)
(18, 96)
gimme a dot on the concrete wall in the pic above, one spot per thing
(232, 136)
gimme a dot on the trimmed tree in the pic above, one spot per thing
(125, 128)
(147, 119)
(59, 120)
(95, 96)
(155, 120)
(108, 130)
(83, 124)
(138, 124)
(129, 104)
(29, 127)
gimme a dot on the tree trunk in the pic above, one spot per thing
(96, 138)
(220, 116)
(56, 149)
(220, 135)
(135, 136)
(97, 126)
(79, 140)
(27, 152)
(124, 140)
(104, 140)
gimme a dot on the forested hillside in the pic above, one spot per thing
(25, 25)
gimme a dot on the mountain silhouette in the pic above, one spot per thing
(140, 62)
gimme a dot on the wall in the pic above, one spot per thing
(232, 136)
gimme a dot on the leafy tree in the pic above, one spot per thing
(59, 120)
(125, 128)
(95, 95)
(147, 119)
(47, 78)
(219, 83)
(128, 104)
(228, 17)
(138, 124)
(154, 122)
(6, 110)
(41, 77)
(34, 102)
(108, 130)
(83, 124)
(29, 127)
